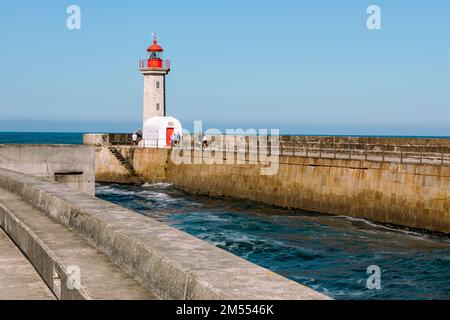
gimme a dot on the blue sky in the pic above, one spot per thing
(308, 67)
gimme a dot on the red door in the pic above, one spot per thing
(169, 133)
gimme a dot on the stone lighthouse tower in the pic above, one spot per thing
(154, 71)
(160, 130)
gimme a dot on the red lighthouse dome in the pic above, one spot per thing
(154, 55)
(155, 47)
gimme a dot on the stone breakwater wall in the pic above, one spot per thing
(149, 163)
(413, 193)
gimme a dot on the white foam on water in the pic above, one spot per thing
(112, 190)
(377, 225)
(153, 194)
(161, 185)
(214, 218)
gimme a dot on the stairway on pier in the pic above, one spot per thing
(127, 165)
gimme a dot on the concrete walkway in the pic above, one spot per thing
(18, 279)
(100, 278)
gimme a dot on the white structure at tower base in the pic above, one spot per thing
(159, 132)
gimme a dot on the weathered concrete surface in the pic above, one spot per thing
(55, 251)
(18, 279)
(151, 165)
(171, 263)
(148, 164)
(73, 165)
(411, 195)
(108, 168)
(95, 139)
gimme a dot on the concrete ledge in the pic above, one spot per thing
(44, 261)
(18, 279)
(54, 251)
(173, 264)
(72, 165)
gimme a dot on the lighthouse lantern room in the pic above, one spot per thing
(154, 55)
(157, 127)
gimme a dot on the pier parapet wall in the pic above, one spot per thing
(72, 165)
(169, 263)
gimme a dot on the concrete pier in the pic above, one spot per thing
(122, 255)
(54, 249)
(403, 182)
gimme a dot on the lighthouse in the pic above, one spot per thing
(159, 129)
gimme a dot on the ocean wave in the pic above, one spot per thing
(153, 194)
(107, 190)
(160, 185)
(381, 226)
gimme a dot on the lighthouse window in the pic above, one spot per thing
(158, 84)
(158, 107)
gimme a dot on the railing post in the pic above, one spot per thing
(320, 148)
(307, 147)
(334, 147)
(349, 151)
(365, 151)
